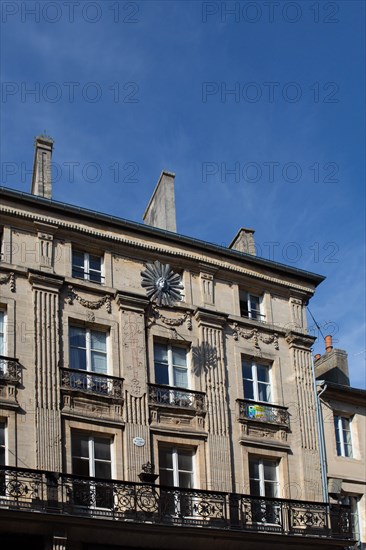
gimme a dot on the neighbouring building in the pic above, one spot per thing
(343, 411)
(127, 347)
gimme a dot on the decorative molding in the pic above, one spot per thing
(170, 321)
(9, 278)
(294, 339)
(90, 304)
(256, 336)
(156, 249)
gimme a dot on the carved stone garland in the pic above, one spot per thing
(90, 304)
(256, 336)
(169, 321)
(9, 278)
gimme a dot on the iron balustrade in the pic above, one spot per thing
(263, 412)
(57, 493)
(177, 397)
(91, 382)
(10, 370)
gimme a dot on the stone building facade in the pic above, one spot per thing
(127, 346)
(343, 412)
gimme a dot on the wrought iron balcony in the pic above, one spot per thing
(56, 493)
(263, 412)
(177, 397)
(91, 382)
(10, 370)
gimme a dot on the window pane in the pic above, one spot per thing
(269, 470)
(253, 469)
(248, 389)
(95, 276)
(103, 470)
(166, 477)
(264, 393)
(77, 337)
(98, 362)
(185, 480)
(270, 490)
(78, 359)
(161, 374)
(180, 378)
(244, 312)
(2, 456)
(185, 460)
(80, 445)
(2, 434)
(255, 488)
(247, 370)
(254, 303)
(262, 373)
(80, 467)
(78, 259)
(179, 357)
(102, 448)
(95, 262)
(165, 458)
(98, 340)
(160, 353)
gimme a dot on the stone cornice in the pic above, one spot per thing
(210, 318)
(299, 340)
(142, 244)
(131, 302)
(44, 281)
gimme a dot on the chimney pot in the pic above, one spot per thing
(317, 356)
(328, 343)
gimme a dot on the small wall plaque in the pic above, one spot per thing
(138, 441)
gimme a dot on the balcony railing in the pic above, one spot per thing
(10, 370)
(263, 412)
(91, 382)
(54, 493)
(177, 397)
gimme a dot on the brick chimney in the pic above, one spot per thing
(244, 241)
(160, 211)
(332, 366)
(42, 177)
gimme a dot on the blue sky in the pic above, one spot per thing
(259, 109)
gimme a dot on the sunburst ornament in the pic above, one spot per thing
(163, 286)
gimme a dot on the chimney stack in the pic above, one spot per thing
(160, 211)
(42, 177)
(244, 241)
(328, 343)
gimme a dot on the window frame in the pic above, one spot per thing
(262, 480)
(169, 346)
(86, 266)
(246, 297)
(88, 349)
(174, 451)
(91, 451)
(254, 380)
(342, 445)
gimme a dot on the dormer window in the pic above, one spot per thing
(251, 306)
(87, 266)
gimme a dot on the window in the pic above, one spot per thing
(264, 483)
(88, 349)
(87, 266)
(170, 365)
(342, 427)
(353, 502)
(256, 380)
(251, 306)
(91, 457)
(176, 467)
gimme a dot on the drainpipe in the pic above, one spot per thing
(322, 450)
